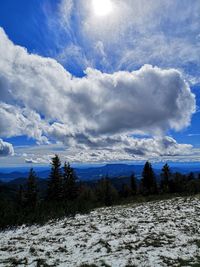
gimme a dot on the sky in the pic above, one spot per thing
(99, 81)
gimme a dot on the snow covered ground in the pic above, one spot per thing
(163, 233)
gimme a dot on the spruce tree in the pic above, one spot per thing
(106, 193)
(69, 182)
(31, 191)
(178, 183)
(148, 181)
(55, 189)
(86, 194)
(21, 197)
(165, 177)
(126, 191)
(133, 184)
(190, 176)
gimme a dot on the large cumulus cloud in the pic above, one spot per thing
(39, 98)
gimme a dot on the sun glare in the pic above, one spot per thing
(102, 7)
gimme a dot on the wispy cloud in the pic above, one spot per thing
(164, 33)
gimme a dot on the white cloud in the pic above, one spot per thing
(194, 134)
(37, 161)
(39, 98)
(111, 149)
(16, 121)
(6, 149)
(72, 55)
(65, 9)
(157, 32)
(118, 148)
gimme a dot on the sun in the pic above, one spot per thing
(102, 7)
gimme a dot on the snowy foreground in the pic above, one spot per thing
(163, 233)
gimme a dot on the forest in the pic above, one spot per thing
(63, 194)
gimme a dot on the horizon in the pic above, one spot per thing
(191, 166)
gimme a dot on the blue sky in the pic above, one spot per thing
(99, 82)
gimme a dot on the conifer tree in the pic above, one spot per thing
(165, 177)
(148, 181)
(191, 176)
(126, 191)
(133, 184)
(55, 188)
(106, 193)
(70, 186)
(86, 193)
(31, 191)
(178, 183)
(21, 196)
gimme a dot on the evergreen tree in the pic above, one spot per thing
(55, 189)
(126, 191)
(70, 186)
(191, 176)
(178, 183)
(165, 177)
(86, 194)
(31, 191)
(133, 184)
(148, 181)
(21, 196)
(106, 193)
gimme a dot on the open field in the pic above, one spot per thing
(161, 233)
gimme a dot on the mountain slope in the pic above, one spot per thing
(164, 233)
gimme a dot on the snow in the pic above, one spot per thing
(160, 233)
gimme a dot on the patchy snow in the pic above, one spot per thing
(163, 233)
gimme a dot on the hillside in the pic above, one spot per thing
(163, 233)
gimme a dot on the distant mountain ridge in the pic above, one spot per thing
(96, 173)
(85, 174)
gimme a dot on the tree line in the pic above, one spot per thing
(65, 195)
